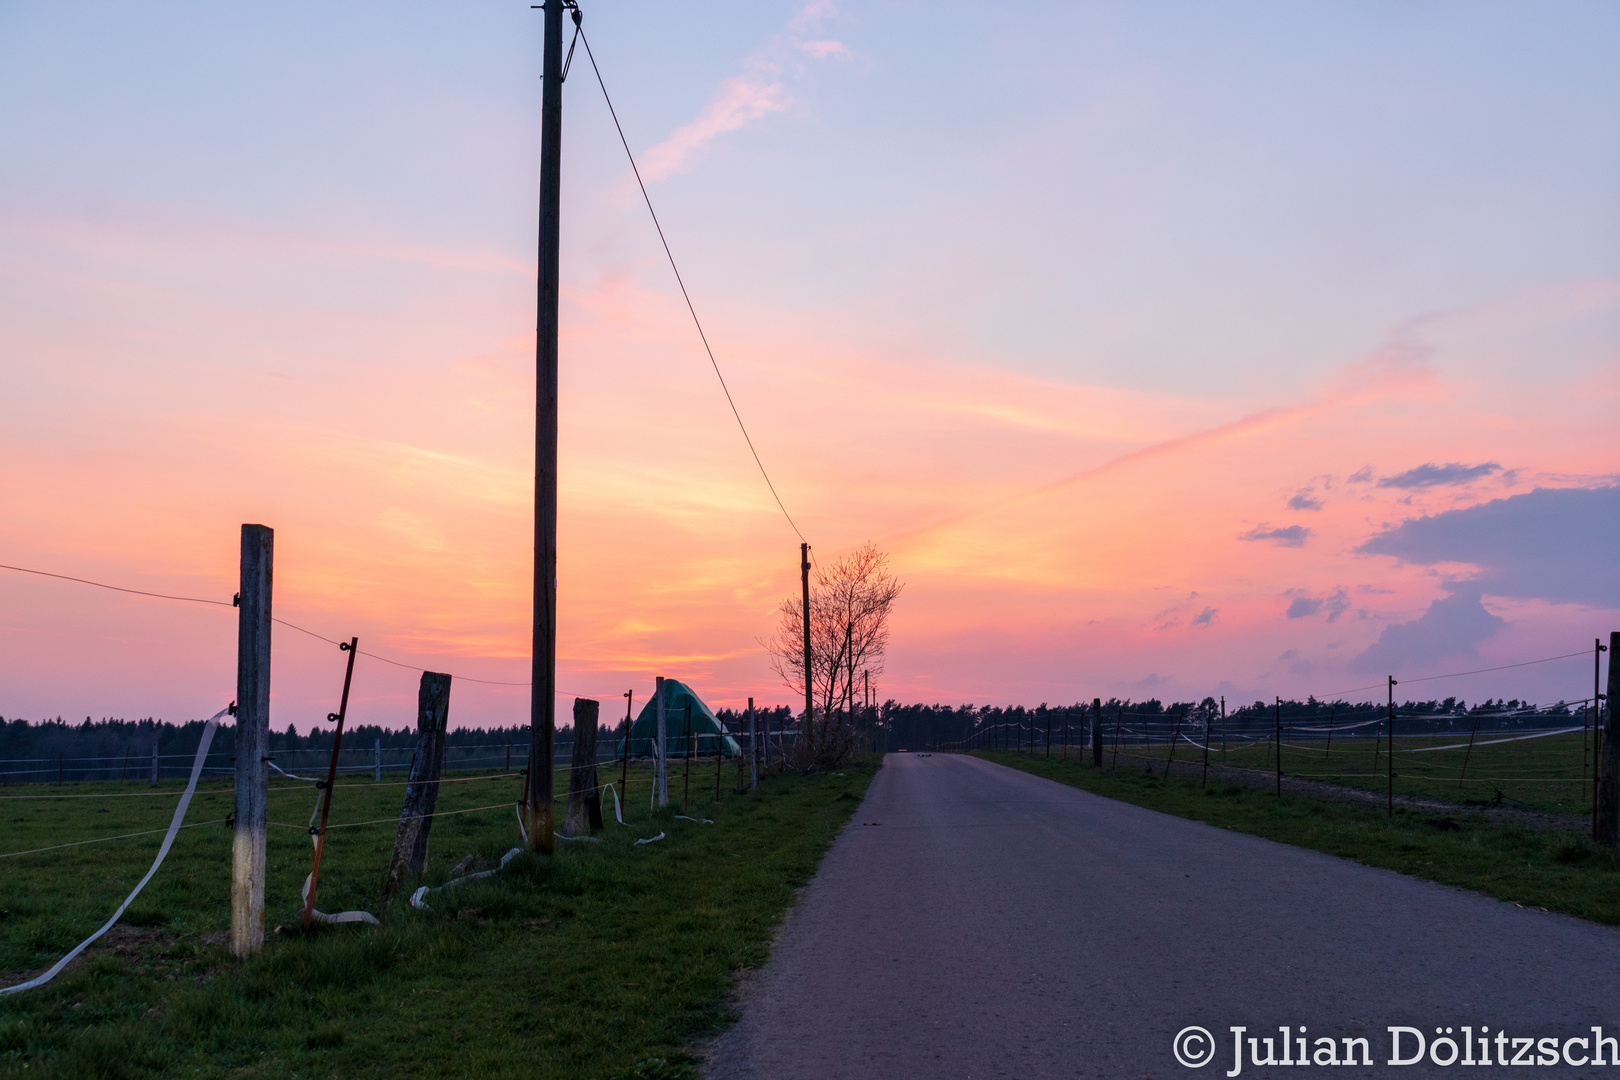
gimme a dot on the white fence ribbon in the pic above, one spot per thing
(416, 897)
(650, 840)
(700, 821)
(290, 776)
(163, 851)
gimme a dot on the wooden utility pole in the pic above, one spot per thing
(809, 701)
(584, 798)
(1608, 825)
(422, 785)
(252, 741)
(1096, 732)
(542, 699)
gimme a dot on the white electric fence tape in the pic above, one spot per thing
(289, 775)
(321, 916)
(163, 851)
(649, 840)
(416, 897)
(700, 821)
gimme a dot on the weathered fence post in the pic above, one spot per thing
(1096, 732)
(1597, 736)
(1204, 780)
(252, 741)
(584, 800)
(753, 746)
(661, 748)
(1608, 823)
(1392, 685)
(422, 789)
(154, 763)
(376, 760)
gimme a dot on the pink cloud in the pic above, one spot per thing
(742, 99)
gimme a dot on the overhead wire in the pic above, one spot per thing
(662, 239)
(283, 622)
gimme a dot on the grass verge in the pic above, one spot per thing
(603, 961)
(1559, 871)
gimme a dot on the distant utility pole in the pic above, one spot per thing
(542, 696)
(809, 702)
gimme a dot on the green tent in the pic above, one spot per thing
(683, 711)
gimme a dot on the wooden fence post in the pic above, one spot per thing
(1607, 832)
(154, 763)
(753, 746)
(1096, 732)
(376, 760)
(422, 789)
(661, 748)
(252, 741)
(584, 800)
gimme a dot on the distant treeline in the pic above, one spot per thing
(891, 726)
(45, 740)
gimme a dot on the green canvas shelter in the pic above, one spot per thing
(683, 711)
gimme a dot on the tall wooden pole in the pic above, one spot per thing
(809, 700)
(542, 698)
(1608, 824)
(252, 741)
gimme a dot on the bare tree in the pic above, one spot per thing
(850, 602)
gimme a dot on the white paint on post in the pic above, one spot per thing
(252, 742)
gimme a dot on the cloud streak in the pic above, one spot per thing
(1432, 475)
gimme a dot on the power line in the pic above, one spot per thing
(678, 280)
(1455, 674)
(115, 588)
(283, 622)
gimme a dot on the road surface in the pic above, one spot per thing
(975, 921)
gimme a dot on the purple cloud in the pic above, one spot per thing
(1291, 536)
(1432, 475)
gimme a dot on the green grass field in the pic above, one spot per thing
(1543, 774)
(1557, 870)
(602, 961)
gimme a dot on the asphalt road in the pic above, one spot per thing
(975, 921)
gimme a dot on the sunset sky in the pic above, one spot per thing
(1169, 349)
